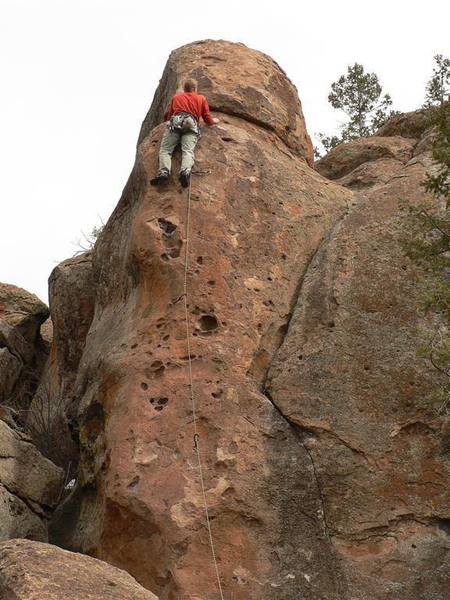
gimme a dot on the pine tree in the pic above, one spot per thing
(359, 95)
(438, 87)
(428, 239)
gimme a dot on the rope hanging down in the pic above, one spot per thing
(191, 388)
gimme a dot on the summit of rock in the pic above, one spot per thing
(236, 81)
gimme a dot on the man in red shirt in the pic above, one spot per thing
(183, 117)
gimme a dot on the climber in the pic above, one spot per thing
(182, 126)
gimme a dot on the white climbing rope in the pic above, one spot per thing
(191, 388)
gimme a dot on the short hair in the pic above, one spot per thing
(190, 85)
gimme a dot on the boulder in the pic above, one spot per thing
(23, 352)
(33, 571)
(414, 124)
(30, 486)
(345, 158)
(22, 310)
(10, 369)
(71, 293)
(19, 519)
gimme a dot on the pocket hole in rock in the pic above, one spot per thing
(157, 368)
(144, 385)
(167, 227)
(159, 403)
(133, 483)
(208, 323)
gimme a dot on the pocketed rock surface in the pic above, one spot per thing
(324, 466)
(259, 213)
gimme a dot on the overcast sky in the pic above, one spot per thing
(77, 77)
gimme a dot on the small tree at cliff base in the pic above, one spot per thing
(359, 95)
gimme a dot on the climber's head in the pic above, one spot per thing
(190, 85)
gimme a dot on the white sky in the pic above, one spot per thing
(77, 77)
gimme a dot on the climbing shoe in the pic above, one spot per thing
(184, 178)
(160, 178)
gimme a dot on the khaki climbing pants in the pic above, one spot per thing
(169, 142)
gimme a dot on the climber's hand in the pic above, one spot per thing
(215, 120)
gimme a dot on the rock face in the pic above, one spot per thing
(23, 352)
(30, 485)
(34, 571)
(71, 293)
(325, 468)
(349, 377)
(259, 214)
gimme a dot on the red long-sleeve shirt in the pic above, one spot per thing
(192, 103)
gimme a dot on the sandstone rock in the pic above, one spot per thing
(47, 333)
(17, 519)
(325, 468)
(10, 368)
(349, 377)
(237, 81)
(35, 571)
(407, 125)
(22, 351)
(369, 174)
(343, 159)
(71, 292)
(22, 310)
(259, 214)
(29, 486)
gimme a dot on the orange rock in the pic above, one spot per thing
(259, 213)
(350, 377)
(324, 476)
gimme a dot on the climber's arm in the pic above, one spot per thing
(207, 117)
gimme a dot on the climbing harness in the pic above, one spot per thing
(183, 123)
(196, 438)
